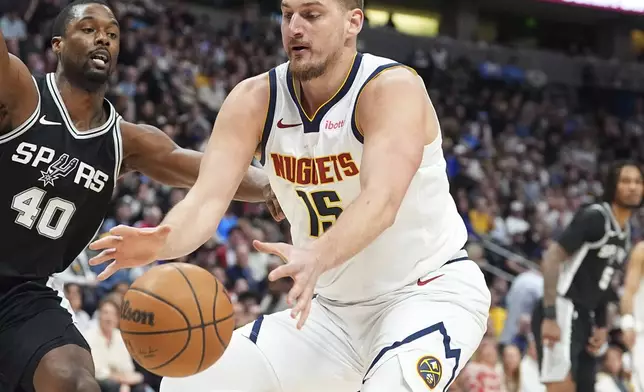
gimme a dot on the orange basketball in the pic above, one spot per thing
(176, 320)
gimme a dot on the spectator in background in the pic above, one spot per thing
(510, 368)
(74, 295)
(480, 218)
(112, 362)
(525, 291)
(611, 378)
(480, 374)
(13, 27)
(498, 313)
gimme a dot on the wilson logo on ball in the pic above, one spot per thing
(136, 315)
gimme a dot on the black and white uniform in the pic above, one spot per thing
(57, 185)
(599, 247)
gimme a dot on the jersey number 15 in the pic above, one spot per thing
(324, 209)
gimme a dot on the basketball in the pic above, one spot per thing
(176, 320)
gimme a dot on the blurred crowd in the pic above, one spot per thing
(522, 156)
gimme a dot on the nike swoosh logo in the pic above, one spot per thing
(45, 122)
(424, 282)
(281, 125)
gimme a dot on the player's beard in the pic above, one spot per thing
(305, 71)
(81, 74)
(95, 76)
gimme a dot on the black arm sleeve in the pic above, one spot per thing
(588, 225)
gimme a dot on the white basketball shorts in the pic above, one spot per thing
(417, 338)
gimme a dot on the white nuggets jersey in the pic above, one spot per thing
(638, 309)
(314, 168)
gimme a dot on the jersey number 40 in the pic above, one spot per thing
(324, 208)
(52, 219)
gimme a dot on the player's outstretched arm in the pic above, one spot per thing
(633, 278)
(150, 151)
(394, 114)
(236, 134)
(18, 94)
(235, 137)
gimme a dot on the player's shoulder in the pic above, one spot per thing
(390, 85)
(387, 74)
(591, 214)
(253, 92)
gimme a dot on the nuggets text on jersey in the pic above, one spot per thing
(314, 171)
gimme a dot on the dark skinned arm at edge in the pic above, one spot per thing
(18, 95)
(552, 259)
(150, 151)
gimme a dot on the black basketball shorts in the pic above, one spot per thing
(569, 355)
(33, 321)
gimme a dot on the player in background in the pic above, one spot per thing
(578, 270)
(632, 310)
(352, 146)
(62, 148)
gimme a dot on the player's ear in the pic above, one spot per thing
(356, 19)
(57, 44)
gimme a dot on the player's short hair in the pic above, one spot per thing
(65, 16)
(612, 178)
(352, 4)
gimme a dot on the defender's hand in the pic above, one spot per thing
(597, 340)
(272, 204)
(550, 332)
(128, 247)
(304, 267)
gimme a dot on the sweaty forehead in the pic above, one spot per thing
(91, 11)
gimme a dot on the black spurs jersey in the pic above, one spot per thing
(57, 183)
(599, 247)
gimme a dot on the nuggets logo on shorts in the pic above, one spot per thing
(430, 370)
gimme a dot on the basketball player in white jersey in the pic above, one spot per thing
(632, 309)
(352, 147)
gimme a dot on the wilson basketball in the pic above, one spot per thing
(176, 320)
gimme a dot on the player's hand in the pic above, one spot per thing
(628, 336)
(128, 247)
(304, 267)
(273, 205)
(597, 340)
(550, 332)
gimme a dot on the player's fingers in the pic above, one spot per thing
(305, 314)
(295, 295)
(276, 248)
(107, 242)
(106, 255)
(122, 230)
(303, 301)
(282, 271)
(162, 230)
(300, 303)
(109, 271)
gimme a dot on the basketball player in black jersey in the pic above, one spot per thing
(62, 148)
(571, 321)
